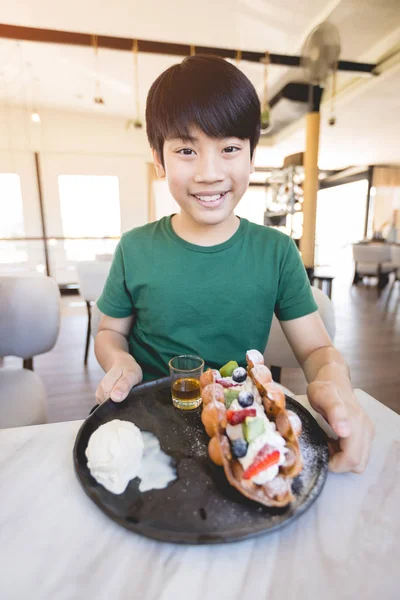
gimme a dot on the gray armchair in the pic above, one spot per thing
(29, 325)
(372, 260)
(278, 353)
(395, 255)
(91, 278)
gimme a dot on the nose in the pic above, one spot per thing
(208, 169)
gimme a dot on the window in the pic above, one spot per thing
(340, 222)
(252, 205)
(90, 207)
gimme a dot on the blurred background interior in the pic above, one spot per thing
(76, 170)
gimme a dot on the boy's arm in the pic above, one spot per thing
(330, 392)
(111, 349)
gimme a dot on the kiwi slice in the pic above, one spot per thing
(252, 428)
(227, 370)
(230, 395)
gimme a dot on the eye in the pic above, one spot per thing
(186, 152)
(231, 149)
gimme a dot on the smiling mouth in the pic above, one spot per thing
(210, 198)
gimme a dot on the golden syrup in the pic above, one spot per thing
(186, 393)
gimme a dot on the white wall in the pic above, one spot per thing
(73, 143)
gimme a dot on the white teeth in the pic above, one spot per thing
(210, 198)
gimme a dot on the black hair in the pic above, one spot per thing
(204, 91)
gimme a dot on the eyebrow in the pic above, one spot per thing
(194, 139)
(185, 139)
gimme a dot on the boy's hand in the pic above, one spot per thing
(119, 381)
(348, 420)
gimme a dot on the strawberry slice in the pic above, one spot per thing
(267, 457)
(238, 416)
(227, 382)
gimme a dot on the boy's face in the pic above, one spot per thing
(206, 176)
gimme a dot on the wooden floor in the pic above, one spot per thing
(367, 333)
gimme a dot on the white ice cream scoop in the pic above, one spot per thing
(114, 454)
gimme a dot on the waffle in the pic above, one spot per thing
(217, 419)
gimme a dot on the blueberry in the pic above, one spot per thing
(245, 399)
(239, 375)
(239, 448)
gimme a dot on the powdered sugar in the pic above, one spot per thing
(295, 422)
(255, 357)
(315, 458)
(261, 373)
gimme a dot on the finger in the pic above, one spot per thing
(338, 463)
(342, 463)
(326, 400)
(100, 398)
(121, 388)
(369, 431)
(361, 468)
(110, 379)
(349, 457)
(353, 453)
(333, 446)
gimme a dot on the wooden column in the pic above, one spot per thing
(311, 182)
(307, 242)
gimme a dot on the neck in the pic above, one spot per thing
(203, 234)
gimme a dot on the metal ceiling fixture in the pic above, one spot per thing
(265, 106)
(137, 121)
(98, 98)
(320, 59)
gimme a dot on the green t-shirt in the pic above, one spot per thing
(213, 301)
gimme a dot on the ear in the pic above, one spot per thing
(158, 164)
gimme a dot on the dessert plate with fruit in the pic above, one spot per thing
(249, 461)
(254, 437)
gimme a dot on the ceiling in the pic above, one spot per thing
(64, 77)
(367, 130)
(238, 23)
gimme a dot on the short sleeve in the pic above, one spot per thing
(294, 298)
(116, 301)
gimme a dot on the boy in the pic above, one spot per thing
(204, 281)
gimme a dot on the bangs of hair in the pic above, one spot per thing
(205, 92)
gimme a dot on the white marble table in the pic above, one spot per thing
(56, 544)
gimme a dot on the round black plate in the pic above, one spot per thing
(200, 507)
